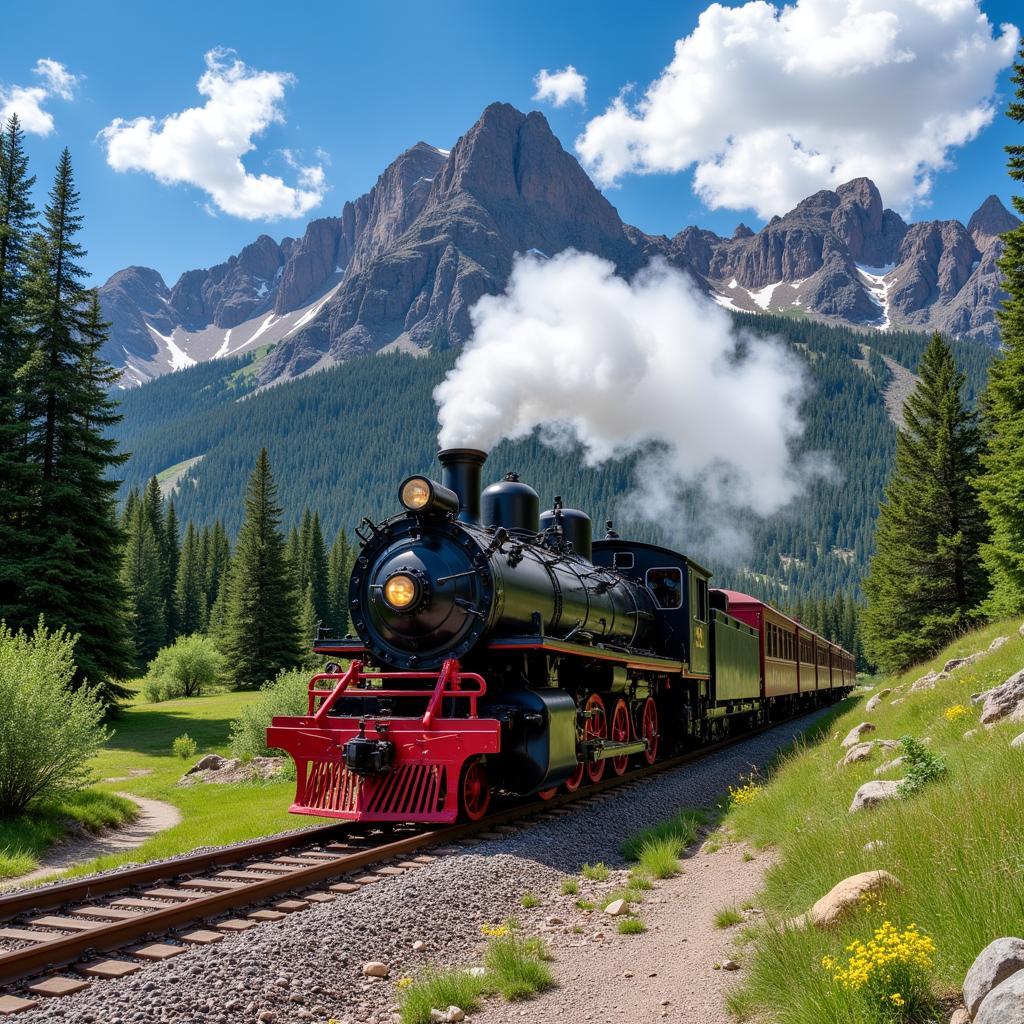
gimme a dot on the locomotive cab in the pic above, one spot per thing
(679, 587)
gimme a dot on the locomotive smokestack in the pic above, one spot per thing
(462, 468)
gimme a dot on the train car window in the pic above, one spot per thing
(623, 560)
(702, 600)
(667, 587)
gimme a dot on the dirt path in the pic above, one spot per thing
(667, 974)
(155, 816)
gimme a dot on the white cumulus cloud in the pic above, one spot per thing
(27, 100)
(560, 87)
(647, 368)
(769, 104)
(203, 146)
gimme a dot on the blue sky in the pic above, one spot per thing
(371, 80)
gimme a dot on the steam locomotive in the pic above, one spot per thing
(501, 649)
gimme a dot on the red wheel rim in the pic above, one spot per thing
(649, 730)
(596, 728)
(575, 780)
(620, 734)
(476, 794)
(547, 794)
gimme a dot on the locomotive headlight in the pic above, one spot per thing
(400, 591)
(415, 493)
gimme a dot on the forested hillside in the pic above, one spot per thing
(341, 440)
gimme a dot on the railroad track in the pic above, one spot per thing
(235, 888)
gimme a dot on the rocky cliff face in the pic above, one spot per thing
(404, 263)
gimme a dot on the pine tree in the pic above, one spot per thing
(1001, 482)
(190, 586)
(171, 556)
(309, 621)
(18, 476)
(339, 569)
(260, 632)
(218, 560)
(316, 571)
(926, 578)
(140, 574)
(73, 576)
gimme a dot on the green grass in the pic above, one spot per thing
(957, 845)
(598, 872)
(25, 838)
(570, 886)
(438, 990)
(629, 895)
(631, 926)
(727, 917)
(586, 905)
(639, 880)
(682, 828)
(517, 967)
(138, 759)
(659, 858)
(528, 901)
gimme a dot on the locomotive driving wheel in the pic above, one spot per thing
(620, 734)
(596, 728)
(474, 791)
(649, 729)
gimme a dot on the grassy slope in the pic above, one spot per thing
(212, 815)
(957, 847)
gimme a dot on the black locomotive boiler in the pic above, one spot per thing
(499, 648)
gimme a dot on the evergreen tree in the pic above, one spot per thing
(171, 557)
(339, 569)
(260, 631)
(18, 476)
(1001, 482)
(316, 571)
(308, 624)
(190, 587)
(73, 576)
(140, 574)
(218, 560)
(926, 579)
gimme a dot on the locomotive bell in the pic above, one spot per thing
(512, 504)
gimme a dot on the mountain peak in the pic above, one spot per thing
(989, 221)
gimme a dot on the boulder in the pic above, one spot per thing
(858, 752)
(617, 908)
(209, 763)
(1004, 699)
(877, 699)
(994, 964)
(453, 1013)
(955, 663)
(998, 642)
(921, 683)
(730, 965)
(375, 969)
(1004, 1004)
(898, 700)
(961, 1016)
(843, 899)
(855, 734)
(1017, 742)
(1020, 630)
(890, 766)
(873, 793)
(419, 946)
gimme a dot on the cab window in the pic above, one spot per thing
(702, 601)
(623, 560)
(667, 587)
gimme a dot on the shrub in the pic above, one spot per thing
(683, 828)
(659, 858)
(595, 872)
(528, 901)
(631, 926)
(184, 746)
(186, 668)
(434, 989)
(570, 886)
(285, 695)
(920, 767)
(639, 880)
(48, 731)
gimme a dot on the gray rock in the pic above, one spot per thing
(1004, 699)
(1004, 1004)
(998, 642)
(854, 735)
(993, 965)
(871, 794)
(1017, 742)
(858, 752)
(890, 766)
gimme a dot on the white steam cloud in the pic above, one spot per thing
(649, 367)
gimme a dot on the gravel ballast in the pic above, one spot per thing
(309, 965)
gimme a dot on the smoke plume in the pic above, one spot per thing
(649, 368)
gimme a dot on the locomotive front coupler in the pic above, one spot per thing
(364, 756)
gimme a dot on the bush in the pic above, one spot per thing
(682, 828)
(631, 926)
(516, 966)
(48, 731)
(595, 872)
(184, 746)
(186, 668)
(288, 694)
(921, 766)
(439, 989)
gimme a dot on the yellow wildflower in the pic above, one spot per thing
(745, 794)
(955, 711)
(403, 983)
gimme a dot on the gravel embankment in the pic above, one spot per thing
(309, 966)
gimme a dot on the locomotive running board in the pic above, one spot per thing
(605, 749)
(630, 659)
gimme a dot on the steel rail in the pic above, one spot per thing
(62, 950)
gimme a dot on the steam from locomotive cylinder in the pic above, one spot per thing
(648, 367)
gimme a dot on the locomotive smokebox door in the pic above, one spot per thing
(539, 746)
